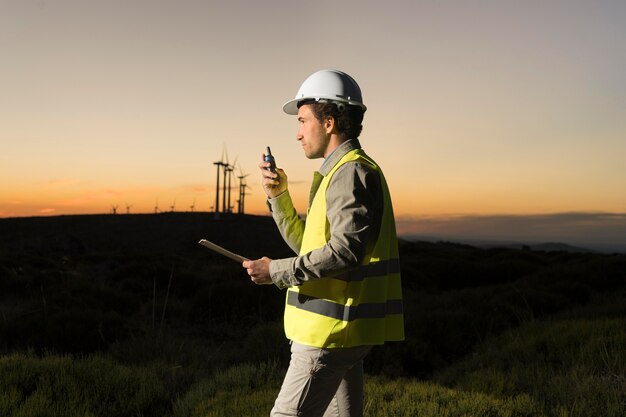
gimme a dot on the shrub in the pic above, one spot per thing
(242, 390)
(91, 386)
(408, 398)
(570, 367)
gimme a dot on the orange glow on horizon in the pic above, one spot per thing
(60, 199)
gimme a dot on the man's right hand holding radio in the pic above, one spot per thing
(274, 183)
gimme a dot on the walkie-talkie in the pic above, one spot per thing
(269, 158)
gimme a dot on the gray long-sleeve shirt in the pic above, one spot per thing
(354, 205)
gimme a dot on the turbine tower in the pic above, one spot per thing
(229, 170)
(218, 165)
(242, 191)
(217, 187)
(225, 167)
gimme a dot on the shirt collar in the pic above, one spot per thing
(336, 155)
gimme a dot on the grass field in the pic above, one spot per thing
(560, 368)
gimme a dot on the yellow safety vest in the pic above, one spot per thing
(362, 307)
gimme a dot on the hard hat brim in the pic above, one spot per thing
(291, 107)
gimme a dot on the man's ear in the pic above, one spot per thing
(329, 124)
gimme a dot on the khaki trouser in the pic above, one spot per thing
(322, 382)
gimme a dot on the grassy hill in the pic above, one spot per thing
(127, 315)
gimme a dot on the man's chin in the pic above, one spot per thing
(310, 155)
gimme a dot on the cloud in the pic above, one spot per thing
(66, 182)
(47, 210)
(89, 197)
(112, 193)
(200, 188)
(591, 229)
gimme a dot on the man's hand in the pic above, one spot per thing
(259, 270)
(274, 183)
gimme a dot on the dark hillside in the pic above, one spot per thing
(172, 233)
(79, 284)
(456, 296)
(141, 288)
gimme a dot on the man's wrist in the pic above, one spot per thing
(279, 271)
(278, 203)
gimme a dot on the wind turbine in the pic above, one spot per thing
(218, 164)
(113, 209)
(156, 206)
(225, 167)
(242, 191)
(228, 170)
(128, 208)
(193, 205)
(173, 206)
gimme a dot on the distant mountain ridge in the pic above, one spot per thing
(511, 244)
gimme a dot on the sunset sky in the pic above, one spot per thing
(475, 108)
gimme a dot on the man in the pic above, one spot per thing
(343, 289)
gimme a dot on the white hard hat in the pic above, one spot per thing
(328, 84)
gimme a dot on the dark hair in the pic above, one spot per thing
(348, 118)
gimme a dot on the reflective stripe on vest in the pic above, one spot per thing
(361, 307)
(341, 312)
(381, 268)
